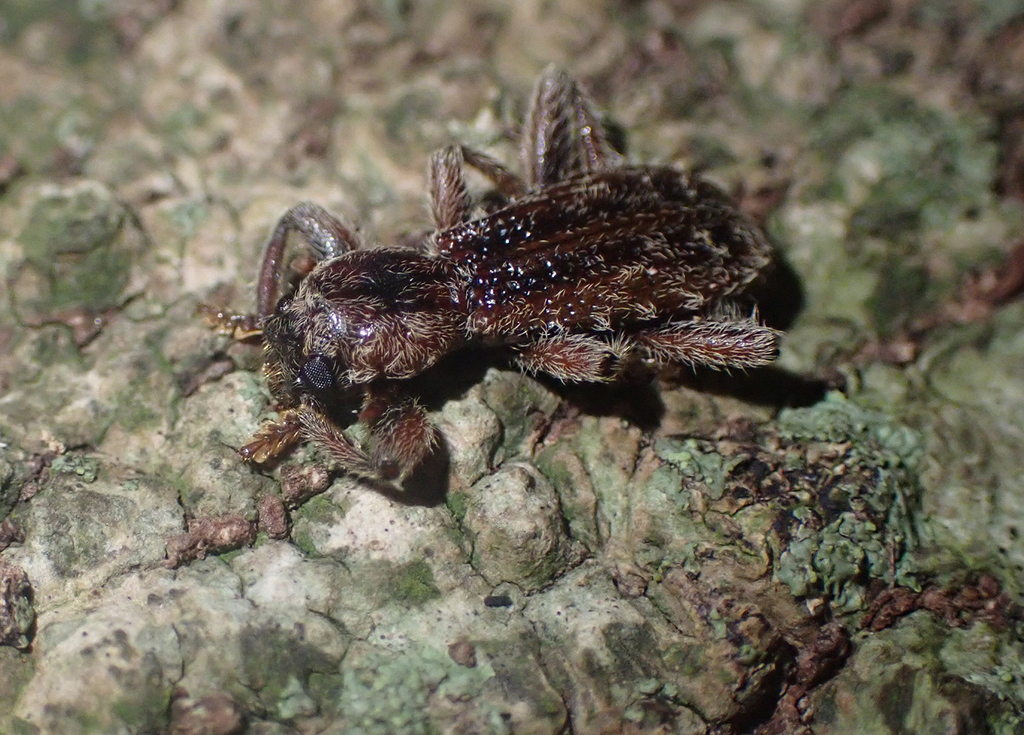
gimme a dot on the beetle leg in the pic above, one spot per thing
(450, 204)
(572, 358)
(449, 200)
(273, 438)
(562, 136)
(401, 435)
(506, 182)
(326, 235)
(318, 428)
(715, 343)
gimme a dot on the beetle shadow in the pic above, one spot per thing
(770, 386)
(426, 486)
(779, 293)
(635, 398)
(779, 298)
(448, 380)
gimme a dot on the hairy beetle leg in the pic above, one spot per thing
(274, 438)
(329, 439)
(562, 136)
(326, 235)
(401, 435)
(719, 344)
(572, 359)
(450, 204)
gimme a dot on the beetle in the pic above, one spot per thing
(589, 264)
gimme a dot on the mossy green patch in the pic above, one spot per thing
(320, 510)
(146, 708)
(188, 216)
(325, 689)
(899, 295)
(305, 541)
(76, 532)
(988, 658)
(634, 649)
(834, 499)
(698, 460)
(77, 465)
(412, 583)
(9, 492)
(517, 400)
(72, 246)
(388, 694)
(18, 670)
(403, 119)
(74, 220)
(861, 526)
(456, 503)
(562, 465)
(181, 127)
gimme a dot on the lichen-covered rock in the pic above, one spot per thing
(80, 535)
(76, 255)
(517, 531)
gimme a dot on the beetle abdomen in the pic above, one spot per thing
(603, 252)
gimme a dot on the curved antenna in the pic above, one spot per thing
(326, 235)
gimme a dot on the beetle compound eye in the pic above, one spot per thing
(317, 373)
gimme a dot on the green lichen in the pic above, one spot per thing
(145, 710)
(518, 401)
(904, 165)
(326, 688)
(187, 217)
(412, 583)
(77, 465)
(457, 504)
(77, 534)
(293, 701)
(561, 464)
(634, 649)
(899, 294)
(390, 694)
(988, 658)
(919, 673)
(698, 460)
(9, 492)
(835, 561)
(898, 176)
(74, 220)
(305, 541)
(866, 529)
(71, 240)
(324, 511)
(834, 498)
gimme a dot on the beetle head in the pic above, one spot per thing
(306, 354)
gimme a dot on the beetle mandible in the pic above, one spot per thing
(589, 264)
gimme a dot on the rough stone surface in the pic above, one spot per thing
(830, 546)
